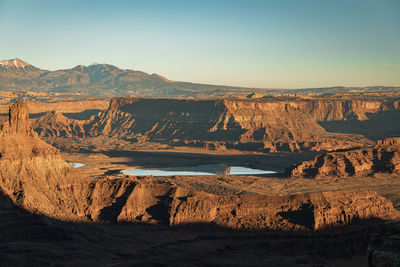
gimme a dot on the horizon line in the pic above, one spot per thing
(216, 84)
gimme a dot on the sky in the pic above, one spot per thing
(251, 43)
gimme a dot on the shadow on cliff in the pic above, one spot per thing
(378, 126)
(110, 213)
(304, 216)
(39, 240)
(84, 115)
(160, 159)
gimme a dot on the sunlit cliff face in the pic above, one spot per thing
(34, 177)
(261, 125)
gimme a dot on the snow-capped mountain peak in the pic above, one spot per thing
(18, 63)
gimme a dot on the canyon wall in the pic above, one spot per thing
(383, 157)
(261, 125)
(251, 125)
(147, 202)
(62, 106)
(32, 173)
(294, 212)
(34, 177)
(54, 123)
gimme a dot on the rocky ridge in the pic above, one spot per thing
(56, 124)
(247, 125)
(34, 177)
(15, 63)
(383, 157)
(267, 126)
(108, 80)
(34, 180)
(99, 79)
(32, 171)
(294, 212)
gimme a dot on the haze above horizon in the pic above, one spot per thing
(264, 44)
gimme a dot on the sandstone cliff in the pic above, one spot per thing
(267, 125)
(294, 212)
(32, 173)
(56, 124)
(383, 157)
(61, 106)
(34, 176)
(254, 125)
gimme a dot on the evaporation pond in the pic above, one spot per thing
(212, 169)
(77, 165)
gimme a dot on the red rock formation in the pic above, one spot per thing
(44, 105)
(253, 125)
(56, 124)
(31, 171)
(164, 203)
(384, 157)
(395, 141)
(263, 125)
(18, 120)
(33, 176)
(295, 212)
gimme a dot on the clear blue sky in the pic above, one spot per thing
(270, 44)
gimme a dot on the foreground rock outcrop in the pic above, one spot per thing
(384, 249)
(294, 212)
(17, 224)
(168, 204)
(34, 177)
(383, 157)
(32, 172)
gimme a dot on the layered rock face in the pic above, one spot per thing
(56, 124)
(32, 172)
(252, 125)
(169, 204)
(296, 212)
(34, 177)
(383, 157)
(44, 104)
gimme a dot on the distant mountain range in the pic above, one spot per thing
(108, 80)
